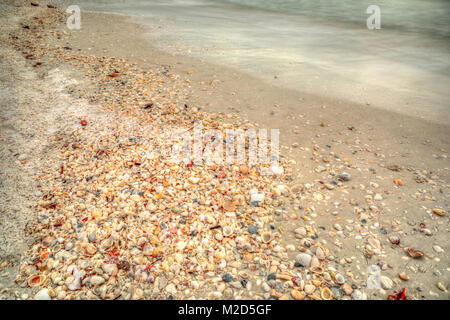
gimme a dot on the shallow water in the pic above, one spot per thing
(314, 46)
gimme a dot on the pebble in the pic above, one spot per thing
(347, 289)
(253, 229)
(227, 277)
(344, 177)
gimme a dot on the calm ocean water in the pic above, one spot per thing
(316, 46)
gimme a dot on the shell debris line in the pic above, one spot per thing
(118, 218)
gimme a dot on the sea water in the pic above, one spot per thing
(321, 47)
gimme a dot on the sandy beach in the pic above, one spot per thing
(83, 198)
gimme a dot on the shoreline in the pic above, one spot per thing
(380, 140)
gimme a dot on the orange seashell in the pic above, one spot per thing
(416, 254)
(398, 182)
(36, 280)
(326, 294)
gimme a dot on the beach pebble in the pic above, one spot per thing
(344, 176)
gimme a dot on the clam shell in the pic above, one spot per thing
(326, 294)
(36, 280)
(317, 270)
(339, 278)
(227, 231)
(266, 237)
(297, 295)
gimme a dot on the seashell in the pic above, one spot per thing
(416, 254)
(284, 277)
(244, 275)
(43, 294)
(314, 262)
(326, 294)
(304, 259)
(309, 288)
(339, 278)
(90, 249)
(394, 240)
(227, 231)
(317, 270)
(266, 237)
(316, 283)
(106, 244)
(315, 297)
(96, 280)
(386, 283)
(297, 295)
(439, 212)
(57, 248)
(36, 280)
(403, 276)
(218, 236)
(47, 241)
(320, 254)
(74, 282)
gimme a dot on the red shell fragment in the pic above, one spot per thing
(398, 296)
(83, 123)
(415, 253)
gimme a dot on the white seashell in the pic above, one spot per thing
(309, 288)
(386, 283)
(109, 268)
(97, 280)
(304, 259)
(42, 295)
(314, 262)
(320, 254)
(227, 231)
(339, 278)
(300, 232)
